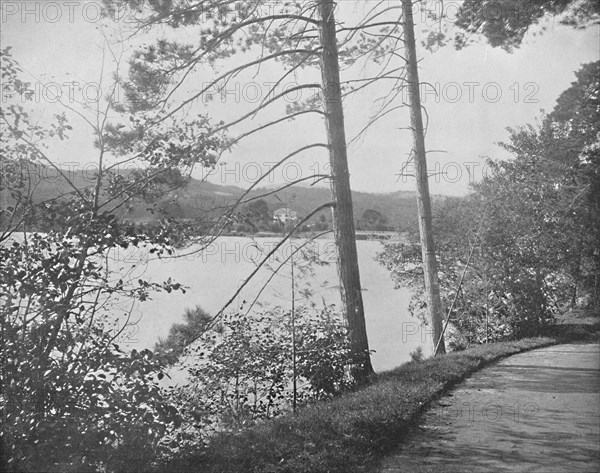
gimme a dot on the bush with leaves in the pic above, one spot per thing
(72, 399)
(90, 406)
(196, 322)
(528, 233)
(504, 293)
(243, 369)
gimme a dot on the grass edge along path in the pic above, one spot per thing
(353, 432)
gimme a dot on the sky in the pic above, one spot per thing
(479, 92)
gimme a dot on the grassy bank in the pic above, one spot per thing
(353, 432)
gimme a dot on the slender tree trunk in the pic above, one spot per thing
(432, 285)
(293, 314)
(343, 217)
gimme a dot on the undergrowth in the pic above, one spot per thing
(351, 433)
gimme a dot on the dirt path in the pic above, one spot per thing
(534, 412)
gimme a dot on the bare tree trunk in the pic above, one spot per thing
(343, 217)
(432, 285)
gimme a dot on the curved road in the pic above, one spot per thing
(533, 412)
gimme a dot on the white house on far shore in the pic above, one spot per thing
(285, 215)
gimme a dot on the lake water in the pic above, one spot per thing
(212, 277)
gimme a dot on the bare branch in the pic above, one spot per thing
(274, 273)
(228, 74)
(262, 262)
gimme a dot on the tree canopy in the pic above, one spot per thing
(504, 23)
(527, 236)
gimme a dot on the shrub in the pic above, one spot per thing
(258, 365)
(89, 406)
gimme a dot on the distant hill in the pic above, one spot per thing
(198, 198)
(399, 209)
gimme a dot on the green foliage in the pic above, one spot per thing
(417, 354)
(578, 106)
(87, 406)
(531, 226)
(504, 23)
(258, 215)
(373, 220)
(349, 433)
(72, 399)
(196, 322)
(242, 370)
(558, 166)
